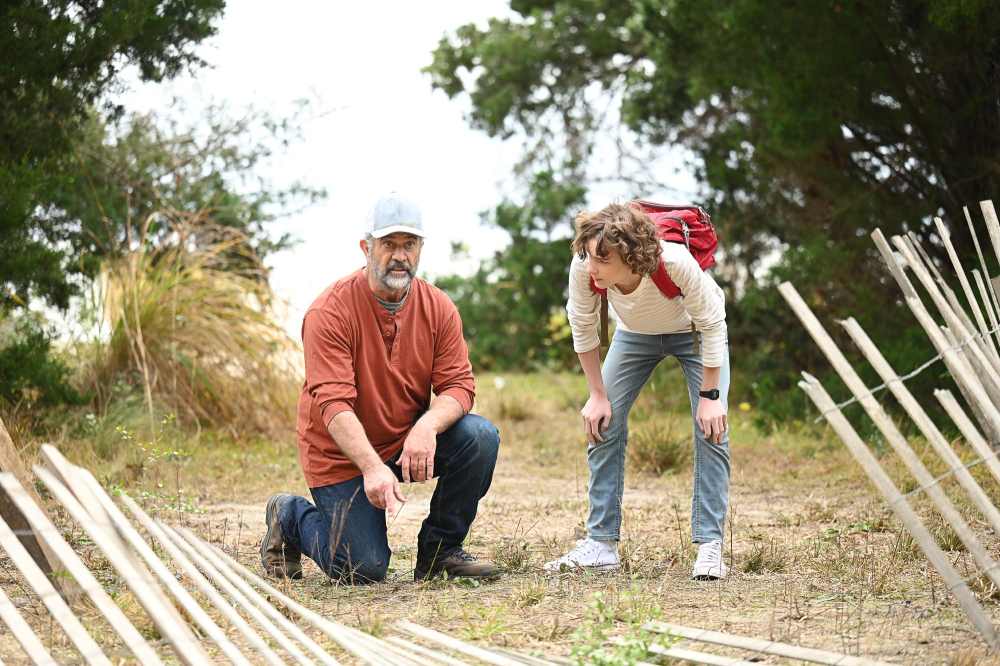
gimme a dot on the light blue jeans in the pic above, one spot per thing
(628, 365)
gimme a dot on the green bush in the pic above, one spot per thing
(31, 372)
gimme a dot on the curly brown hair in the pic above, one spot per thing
(624, 229)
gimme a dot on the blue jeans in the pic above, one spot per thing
(628, 365)
(346, 536)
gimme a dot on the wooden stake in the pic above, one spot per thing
(24, 634)
(759, 645)
(890, 432)
(47, 532)
(46, 591)
(10, 461)
(924, 423)
(968, 430)
(982, 265)
(212, 573)
(260, 601)
(901, 507)
(140, 582)
(894, 264)
(202, 583)
(165, 576)
(356, 642)
(967, 288)
(984, 295)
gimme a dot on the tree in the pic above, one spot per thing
(808, 125)
(60, 60)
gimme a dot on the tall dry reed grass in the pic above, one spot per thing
(191, 322)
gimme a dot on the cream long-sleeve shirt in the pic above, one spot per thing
(646, 310)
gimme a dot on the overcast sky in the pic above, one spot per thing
(385, 128)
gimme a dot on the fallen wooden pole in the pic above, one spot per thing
(344, 636)
(24, 634)
(760, 645)
(455, 644)
(57, 606)
(927, 428)
(202, 583)
(902, 509)
(140, 583)
(213, 574)
(262, 603)
(47, 532)
(889, 430)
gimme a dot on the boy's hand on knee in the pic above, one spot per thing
(596, 417)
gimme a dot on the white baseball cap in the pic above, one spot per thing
(394, 214)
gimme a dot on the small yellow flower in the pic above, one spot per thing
(744, 406)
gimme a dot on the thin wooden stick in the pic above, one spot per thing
(893, 263)
(260, 601)
(764, 646)
(924, 423)
(42, 586)
(140, 583)
(989, 374)
(890, 432)
(901, 507)
(982, 264)
(985, 296)
(969, 431)
(212, 573)
(202, 583)
(455, 644)
(355, 642)
(416, 648)
(696, 657)
(166, 577)
(47, 532)
(966, 287)
(24, 634)
(920, 257)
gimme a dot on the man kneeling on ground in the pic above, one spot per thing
(376, 342)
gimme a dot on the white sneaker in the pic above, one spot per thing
(588, 554)
(709, 565)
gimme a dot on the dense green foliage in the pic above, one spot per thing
(60, 59)
(807, 124)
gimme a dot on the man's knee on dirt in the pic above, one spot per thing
(369, 568)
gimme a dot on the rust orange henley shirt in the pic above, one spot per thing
(381, 366)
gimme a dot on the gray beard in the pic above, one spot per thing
(392, 282)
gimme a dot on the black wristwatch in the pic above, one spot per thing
(711, 394)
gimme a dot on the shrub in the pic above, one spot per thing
(660, 446)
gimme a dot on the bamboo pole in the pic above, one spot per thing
(893, 263)
(152, 599)
(202, 583)
(963, 280)
(890, 432)
(927, 428)
(24, 634)
(760, 645)
(357, 643)
(86, 480)
(212, 573)
(263, 604)
(46, 591)
(47, 532)
(455, 644)
(982, 264)
(968, 430)
(901, 507)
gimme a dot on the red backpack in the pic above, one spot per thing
(675, 223)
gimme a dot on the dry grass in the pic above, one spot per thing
(193, 326)
(815, 558)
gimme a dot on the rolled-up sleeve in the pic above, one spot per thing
(326, 342)
(583, 309)
(705, 303)
(452, 372)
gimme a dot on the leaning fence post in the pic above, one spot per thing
(924, 423)
(889, 430)
(982, 265)
(968, 430)
(897, 502)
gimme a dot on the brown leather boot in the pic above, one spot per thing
(279, 558)
(457, 563)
